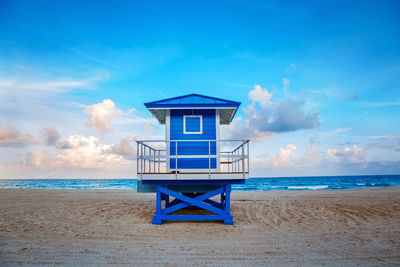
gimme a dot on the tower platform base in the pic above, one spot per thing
(196, 199)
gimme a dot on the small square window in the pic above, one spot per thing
(192, 124)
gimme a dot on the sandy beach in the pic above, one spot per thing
(97, 227)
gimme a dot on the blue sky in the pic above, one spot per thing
(318, 80)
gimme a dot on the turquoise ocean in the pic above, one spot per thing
(252, 184)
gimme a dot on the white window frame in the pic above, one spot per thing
(192, 116)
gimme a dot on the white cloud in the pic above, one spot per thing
(10, 137)
(51, 135)
(264, 118)
(101, 115)
(287, 116)
(283, 158)
(331, 153)
(347, 155)
(238, 130)
(84, 153)
(125, 148)
(260, 96)
(35, 159)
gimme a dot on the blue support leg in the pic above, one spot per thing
(157, 216)
(229, 218)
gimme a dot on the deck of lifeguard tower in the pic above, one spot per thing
(152, 161)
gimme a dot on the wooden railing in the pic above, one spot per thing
(153, 157)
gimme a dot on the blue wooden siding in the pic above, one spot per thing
(193, 163)
(193, 148)
(176, 126)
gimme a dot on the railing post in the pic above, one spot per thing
(176, 160)
(248, 158)
(228, 162)
(209, 159)
(150, 161)
(230, 166)
(237, 160)
(159, 159)
(154, 160)
(234, 161)
(234, 154)
(137, 157)
(141, 161)
(243, 159)
(144, 159)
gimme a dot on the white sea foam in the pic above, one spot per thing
(310, 187)
(361, 184)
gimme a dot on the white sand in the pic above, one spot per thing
(83, 227)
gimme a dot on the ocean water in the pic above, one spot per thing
(256, 184)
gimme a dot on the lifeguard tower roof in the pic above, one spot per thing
(227, 108)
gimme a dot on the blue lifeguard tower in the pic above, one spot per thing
(192, 165)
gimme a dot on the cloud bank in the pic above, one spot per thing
(347, 160)
(264, 118)
(83, 153)
(51, 154)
